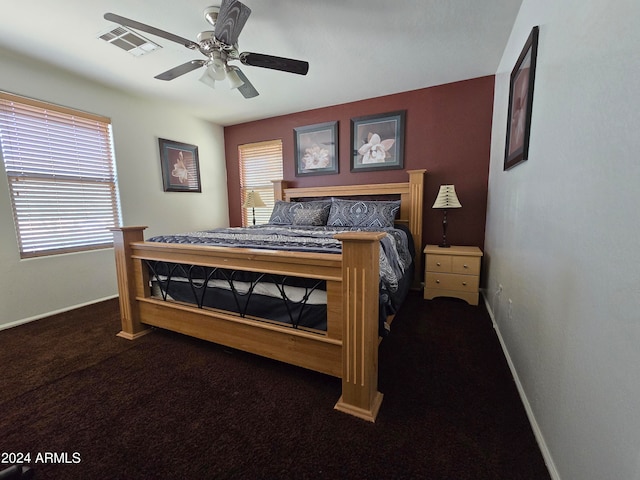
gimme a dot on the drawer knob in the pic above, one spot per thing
(438, 263)
(466, 266)
(464, 283)
(437, 281)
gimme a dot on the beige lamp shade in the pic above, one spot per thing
(447, 197)
(253, 200)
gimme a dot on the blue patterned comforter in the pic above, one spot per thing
(395, 256)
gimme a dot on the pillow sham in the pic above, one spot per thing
(362, 213)
(314, 217)
(283, 212)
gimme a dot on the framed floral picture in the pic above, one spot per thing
(378, 142)
(180, 166)
(520, 103)
(316, 149)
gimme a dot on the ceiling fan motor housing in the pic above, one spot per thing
(207, 42)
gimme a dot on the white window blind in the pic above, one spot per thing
(260, 163)
(61, 173)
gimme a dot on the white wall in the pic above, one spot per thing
(563, 232)
(35, 287)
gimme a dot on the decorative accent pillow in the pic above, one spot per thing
(362, 213)
(283, 212)
(310, 217)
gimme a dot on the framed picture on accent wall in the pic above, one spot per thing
(520, 103)
(377, 142)
(180, 166)
(316, 149)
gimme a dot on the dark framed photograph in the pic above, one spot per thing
(520, 103)
(180, 166)
(316, 149)
(378, 142)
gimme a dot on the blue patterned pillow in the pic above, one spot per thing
(310, 217)
(365, 213)
(284, 212)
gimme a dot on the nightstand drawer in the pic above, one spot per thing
(439, 263)
(451, 281)
(465, 265)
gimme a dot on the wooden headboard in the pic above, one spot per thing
(411, 198)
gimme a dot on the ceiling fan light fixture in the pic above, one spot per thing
(234, 80)
(217, 70)
(207, 79)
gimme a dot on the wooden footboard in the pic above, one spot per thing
(348, 349)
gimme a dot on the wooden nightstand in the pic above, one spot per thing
(452, 272)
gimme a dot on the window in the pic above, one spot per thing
(61, 173)
(260, 163)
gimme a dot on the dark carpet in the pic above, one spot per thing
(89, 405)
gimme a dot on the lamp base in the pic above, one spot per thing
(444, 243)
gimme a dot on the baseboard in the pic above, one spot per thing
(546, 454)
(5, 326)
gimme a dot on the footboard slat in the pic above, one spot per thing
(307, 350)
(326, 266)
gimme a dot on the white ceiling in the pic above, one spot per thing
(356, 49)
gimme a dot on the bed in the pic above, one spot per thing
(348, 281)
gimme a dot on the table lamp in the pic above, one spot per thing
(253, 200)
(447, 198)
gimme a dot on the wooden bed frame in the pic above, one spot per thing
(348, 349)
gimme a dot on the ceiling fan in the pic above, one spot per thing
(219, 46)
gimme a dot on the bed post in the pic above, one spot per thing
(278, 189)
(360, 279)
(125, 269)
(416, 195)
(416, 189)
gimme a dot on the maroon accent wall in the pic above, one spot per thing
(447, 132)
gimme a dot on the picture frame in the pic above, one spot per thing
(180, 166)
(520, 103)
(377, 142)
(316, 149)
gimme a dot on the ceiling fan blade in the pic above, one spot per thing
(181, 70)
(276, 63)
(231, 19)
(246, 89)
(112, 17)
